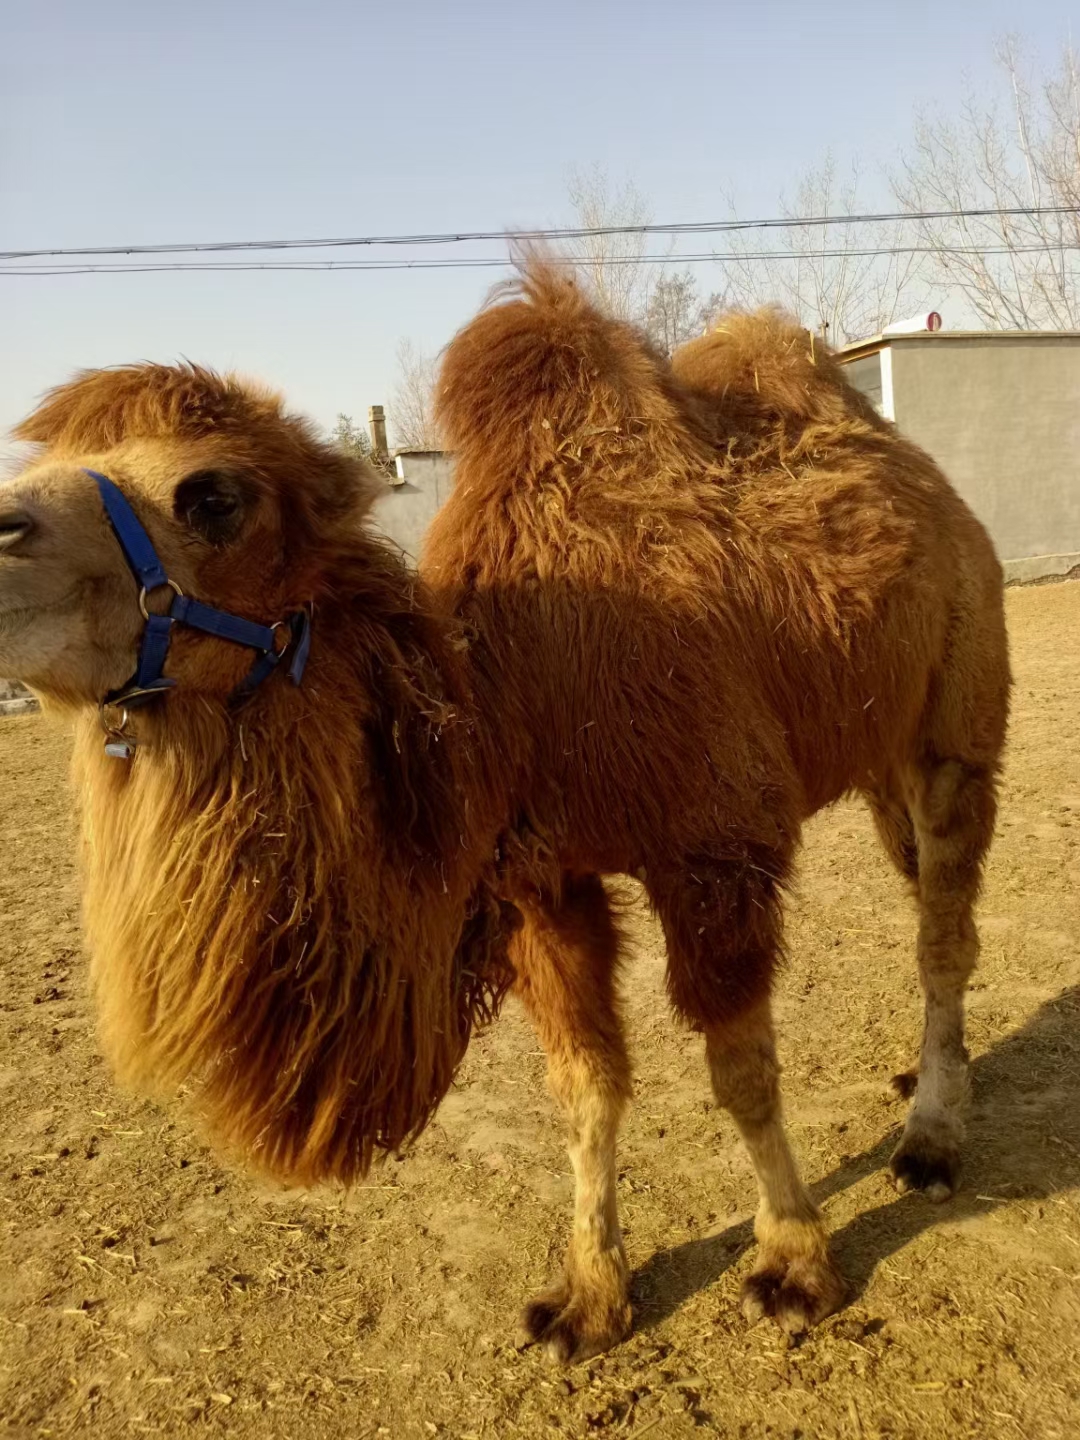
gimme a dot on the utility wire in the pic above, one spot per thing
(570, 232)
(501, 262)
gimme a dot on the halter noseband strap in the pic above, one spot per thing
(271, 642)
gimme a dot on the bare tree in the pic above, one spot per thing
(1018, 150)
(676, 312)
(348, 436)
(412, 410)
(612, 265)
(844, 281)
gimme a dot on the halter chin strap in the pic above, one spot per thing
(271, 642)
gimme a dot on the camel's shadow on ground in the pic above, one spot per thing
(1023, 1141)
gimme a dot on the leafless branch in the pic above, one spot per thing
(611, 265)
(1020, 272)
(412, 410)
(829, 285)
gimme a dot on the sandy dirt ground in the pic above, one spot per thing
(146, 1290)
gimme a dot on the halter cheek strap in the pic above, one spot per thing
(271, 642)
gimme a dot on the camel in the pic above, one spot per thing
(332, 809)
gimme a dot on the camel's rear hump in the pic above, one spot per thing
(767, 365)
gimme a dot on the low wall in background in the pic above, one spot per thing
(15, 699)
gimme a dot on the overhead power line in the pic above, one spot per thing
(501, 262)
(568, 232)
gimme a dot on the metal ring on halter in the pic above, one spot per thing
(115, 730)
(143, 594)
(282, 625)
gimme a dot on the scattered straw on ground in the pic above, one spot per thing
(145, 1290)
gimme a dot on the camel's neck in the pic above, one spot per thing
(294, 903)
(386, 708)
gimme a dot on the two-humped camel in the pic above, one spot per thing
(668, 612)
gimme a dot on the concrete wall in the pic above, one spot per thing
(1001, 416)
(14, 700)
(423, 480)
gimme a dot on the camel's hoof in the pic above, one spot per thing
(572, 1327)
(796, 1293)
(922, 1163)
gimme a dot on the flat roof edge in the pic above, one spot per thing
(855, 349)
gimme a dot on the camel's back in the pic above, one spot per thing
(728, 565)
(867, 561)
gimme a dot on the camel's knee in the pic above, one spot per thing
(954, 809)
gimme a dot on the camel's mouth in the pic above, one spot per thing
(17, 622)
(19, 614)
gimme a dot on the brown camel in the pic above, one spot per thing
(667, 613)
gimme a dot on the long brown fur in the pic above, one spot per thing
(252, 931)
(667, 613)
(725, 623)
(281, 905)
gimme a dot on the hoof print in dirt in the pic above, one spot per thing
(933, 1169)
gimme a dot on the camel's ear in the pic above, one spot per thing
(336, 486)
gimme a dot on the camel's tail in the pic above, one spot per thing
(547, 371)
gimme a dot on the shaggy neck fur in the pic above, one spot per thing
(290, 906)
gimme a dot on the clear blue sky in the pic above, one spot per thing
(133, 121)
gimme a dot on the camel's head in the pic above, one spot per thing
(244, 505)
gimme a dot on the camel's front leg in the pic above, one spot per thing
(794, 1279)
(566, 958)
(722, 919)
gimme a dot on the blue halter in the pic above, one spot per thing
(148, 681)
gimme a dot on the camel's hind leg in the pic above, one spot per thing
(896, 831)
(952, 809)
(566, 958)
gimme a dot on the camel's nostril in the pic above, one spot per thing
(14, 527)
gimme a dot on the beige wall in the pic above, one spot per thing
(1002, 419)
(406, 509)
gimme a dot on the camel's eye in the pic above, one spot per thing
(213, 504)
